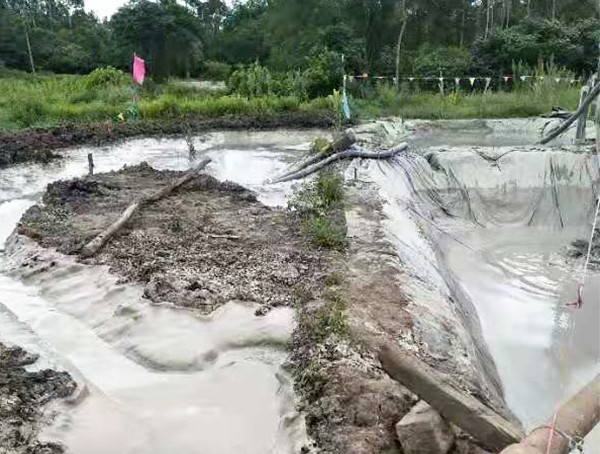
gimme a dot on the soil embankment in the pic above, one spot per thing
(40, 145)
(208, 243)
(22, 397)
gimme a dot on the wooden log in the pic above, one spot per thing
(575, 419)
(343, 143)
(582, 122)
(567, 123)
(98, 243)
(492, 430)
(338, 157)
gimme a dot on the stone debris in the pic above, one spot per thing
(424, 431)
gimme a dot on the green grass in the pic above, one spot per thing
(524, 102)
(47, 100)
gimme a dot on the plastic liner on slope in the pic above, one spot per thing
(549, 189)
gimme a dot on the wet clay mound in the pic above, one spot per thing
(22, 396)
(207, 243)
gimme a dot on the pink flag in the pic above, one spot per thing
(139, 70)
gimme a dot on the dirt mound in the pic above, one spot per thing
(22, 396)
(208, 243)
(35, 145)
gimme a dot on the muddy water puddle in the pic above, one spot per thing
(160, 379)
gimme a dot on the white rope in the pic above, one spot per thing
(589, 253)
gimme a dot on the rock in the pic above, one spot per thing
(424, 431)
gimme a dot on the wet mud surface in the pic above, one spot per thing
(39, 145)
(212, 242)
(207, 243)
(580, 247)
(23, 395)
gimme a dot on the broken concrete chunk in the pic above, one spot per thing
(424, 431)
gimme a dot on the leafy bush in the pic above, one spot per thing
(430, 60)
(571, 46)
(326, 233)
(251, 81)
(324, 73)
(317, 205)
(257, 80)
(330, 188)
(104, 78)
(214, 70)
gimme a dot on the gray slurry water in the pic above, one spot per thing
(163, 380)
(160, 379)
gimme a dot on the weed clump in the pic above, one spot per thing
(319, 207)
(331, 319)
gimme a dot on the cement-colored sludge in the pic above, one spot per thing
(494, 224)
(160, 379)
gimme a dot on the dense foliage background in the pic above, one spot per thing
(209, 39)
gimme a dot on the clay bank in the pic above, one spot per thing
(212, 322)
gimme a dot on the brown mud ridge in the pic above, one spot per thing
(207, 243)
(22, 396)
(37, 145)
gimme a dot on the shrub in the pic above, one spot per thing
(330, 188)
(324, 73)
(104, 78)
(331, 319)
(251, 81)
(214, 70)
(430, 60)
(324, 232)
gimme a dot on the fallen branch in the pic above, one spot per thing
(224, 237)
(567, 123)
(488, 427)
(352, 154)
(98, 243)
(342, 144)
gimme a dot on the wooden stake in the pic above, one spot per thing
(582, 122)
(90, 164)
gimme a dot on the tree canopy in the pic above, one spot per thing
(183, 37)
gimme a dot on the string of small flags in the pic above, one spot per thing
(458, 80)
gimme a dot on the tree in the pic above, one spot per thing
(167, 34)
(403, 21)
